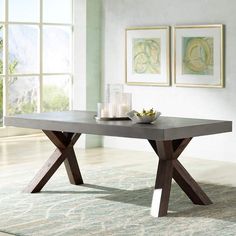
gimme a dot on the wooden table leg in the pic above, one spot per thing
(63, 153)
(169, 167)
(162, 186)
(189, 185)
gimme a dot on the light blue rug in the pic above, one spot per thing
(115, 201)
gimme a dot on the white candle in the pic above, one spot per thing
(104, 112)
(123, 109)
(112, 110)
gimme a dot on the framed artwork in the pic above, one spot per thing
(147, 56)
(199, 56)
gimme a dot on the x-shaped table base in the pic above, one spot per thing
(169, 167)
(64, 152)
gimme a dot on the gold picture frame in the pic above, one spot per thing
(147, 56)
(198, 56)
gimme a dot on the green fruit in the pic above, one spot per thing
(146, 113)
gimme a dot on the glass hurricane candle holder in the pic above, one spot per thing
(117, 103)
(124, 104)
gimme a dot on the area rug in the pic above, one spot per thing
(113, 201)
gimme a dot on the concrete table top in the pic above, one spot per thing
(165, 128)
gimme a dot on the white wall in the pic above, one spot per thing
(87, 58)
(171, 101)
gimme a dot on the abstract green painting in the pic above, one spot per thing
(146, 58)
(197, 55)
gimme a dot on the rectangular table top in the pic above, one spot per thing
(165, 128)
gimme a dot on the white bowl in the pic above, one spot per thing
(142, 119)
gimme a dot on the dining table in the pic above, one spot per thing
(168, 137)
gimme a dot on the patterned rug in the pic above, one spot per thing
(114, 201)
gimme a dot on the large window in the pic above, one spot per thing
(35, 56)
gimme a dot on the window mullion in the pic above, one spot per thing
(40, 100)
(36, 23)
(72, 62)
(5, 61)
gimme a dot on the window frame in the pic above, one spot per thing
(6, 75)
